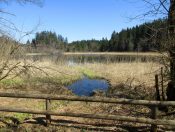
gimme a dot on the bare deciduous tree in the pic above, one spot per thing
(11, 49)
(166, 9)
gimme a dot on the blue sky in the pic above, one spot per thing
(75, 19)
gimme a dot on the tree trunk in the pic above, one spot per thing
(171, 23)
(171, 32)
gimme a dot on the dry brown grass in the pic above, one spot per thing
(118, 73)
(61, 74)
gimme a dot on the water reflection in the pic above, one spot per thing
(94, 58)
(86, 87)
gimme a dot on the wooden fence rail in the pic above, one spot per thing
(96, 116)
(89, 99)
(48, 113)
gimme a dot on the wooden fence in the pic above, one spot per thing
(154, 121)
(153, 105)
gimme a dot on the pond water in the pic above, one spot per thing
(72, 59)
(93, 58)
(86, 86)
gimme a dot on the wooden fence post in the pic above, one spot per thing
(157, 88)
(162, 84)
(154, 110)
(48, 117)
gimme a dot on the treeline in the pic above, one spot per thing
(48, 40)
(87, 45)
(145, 37)
(139, 38)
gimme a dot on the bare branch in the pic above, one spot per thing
(162, 4)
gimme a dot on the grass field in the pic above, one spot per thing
(61, 74)
(54, 77)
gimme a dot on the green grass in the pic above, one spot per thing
(58, 104)
(61, 80)
(12, 82)
(22, 116)
(88, 73)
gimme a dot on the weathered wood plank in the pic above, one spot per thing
(90, 99)
(48, 107)
(92, 116)
(157, 88)
(154, 113)
(162, 84)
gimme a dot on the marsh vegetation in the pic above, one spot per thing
(117, 68)
(122, 66)
(132, 79)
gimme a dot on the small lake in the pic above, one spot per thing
(72, 59)
(86, 86)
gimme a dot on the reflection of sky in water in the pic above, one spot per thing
(85, 87)
(71, 63)
(73, 60)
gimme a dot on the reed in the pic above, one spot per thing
(54, 77)
(135, 73)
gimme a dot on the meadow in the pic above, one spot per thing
(133, 79)
(62, 71)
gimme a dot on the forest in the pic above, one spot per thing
(141, 38)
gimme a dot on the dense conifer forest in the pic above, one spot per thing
(139, 38)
